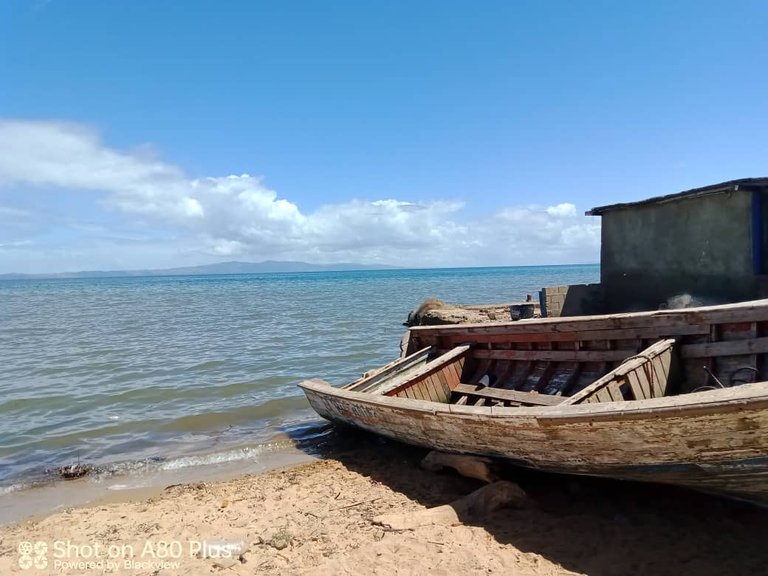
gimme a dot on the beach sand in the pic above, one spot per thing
(316, 518)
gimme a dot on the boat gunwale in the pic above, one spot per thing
(753, 396)
(717, 313)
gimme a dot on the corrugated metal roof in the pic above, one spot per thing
(731, 185)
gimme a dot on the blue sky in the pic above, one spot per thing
(412, 133)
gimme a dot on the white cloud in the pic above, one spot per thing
(562, 210)
(239, 216)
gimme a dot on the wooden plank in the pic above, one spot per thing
(658, 373)
(646, 374)
(737, 330)
(429, 389)
(452, 375)
(746, 399)
(603, 395)
(440, 381)
(423, 390)
(556, 355)
(434, 391)
(393, 386)
(445, 391)
(399, 366)
(509, 395)
(447, 375)
(459, 367)
(755, 311)
(623, 335)
(729, 348)
(665, 364)
(614, 391)
(640, 386)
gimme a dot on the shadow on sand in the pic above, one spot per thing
(593, 526)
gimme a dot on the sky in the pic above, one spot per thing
(149, 134)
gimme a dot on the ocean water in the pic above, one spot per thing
(131, 375)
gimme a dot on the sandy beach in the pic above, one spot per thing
(317, 518)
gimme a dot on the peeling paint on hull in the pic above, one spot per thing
(713, 441)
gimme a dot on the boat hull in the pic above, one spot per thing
(713, 441)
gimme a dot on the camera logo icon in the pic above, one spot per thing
(33, 554)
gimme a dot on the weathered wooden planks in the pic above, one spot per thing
(452, 338)
(727, 348)
(433, 381)
(556, 355)
(404, 380)
(726, 340)
(647, 375)
(668, 320)
(715, 440)
(370, 381)
(513, 396)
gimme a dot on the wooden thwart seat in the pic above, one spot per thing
(514, 397)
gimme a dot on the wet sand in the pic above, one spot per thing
(316, 518)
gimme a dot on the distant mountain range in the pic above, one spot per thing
(269, 266)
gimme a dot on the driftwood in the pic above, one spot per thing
(477, 467)
(475, 505)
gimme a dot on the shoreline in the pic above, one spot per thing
(316, 517)
(46, 496)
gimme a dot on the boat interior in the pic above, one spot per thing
(539, 366)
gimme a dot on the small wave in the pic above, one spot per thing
(5, 490)
(216, 458)
(119, 487)
(208, 365)
(141, 467)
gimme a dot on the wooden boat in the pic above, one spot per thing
(672, 396)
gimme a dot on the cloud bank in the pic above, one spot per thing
(239, 217)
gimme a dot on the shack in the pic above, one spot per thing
(701, 246)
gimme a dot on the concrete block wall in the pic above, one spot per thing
(573, 300)
(551, 300)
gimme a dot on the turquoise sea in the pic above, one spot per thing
(133, 374)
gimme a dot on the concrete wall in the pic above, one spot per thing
(574, 300)
(700, 246)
